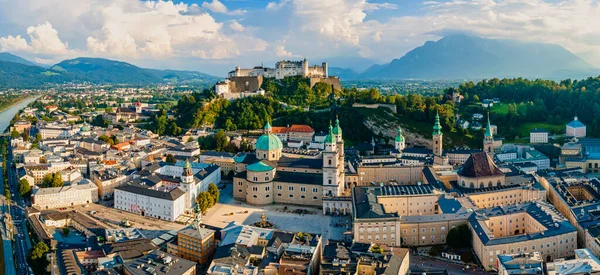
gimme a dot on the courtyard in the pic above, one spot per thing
(284, 217)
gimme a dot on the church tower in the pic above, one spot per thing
(188, 174)
(138, 107)
(488, 139)
(399, 142)
(437, 137)
(332, 184)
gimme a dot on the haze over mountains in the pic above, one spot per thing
(453, 57)
(471, 57)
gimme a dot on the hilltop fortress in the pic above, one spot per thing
(246, 82)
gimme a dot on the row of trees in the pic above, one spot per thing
(5, 168)
(207, 199)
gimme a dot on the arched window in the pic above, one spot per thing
(490, 184)
(472, 185)
(330, 162)
(498, 183)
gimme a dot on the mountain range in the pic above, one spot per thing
(19, 72)
(455, 57)
(471, 57)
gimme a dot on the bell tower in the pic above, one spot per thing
(399, 142)
(488, 139)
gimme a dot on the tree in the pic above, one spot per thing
(213, 190)
(57, 180)
(66, 231)
(100, 121)
(476, 98)
(52, 180)
(15, 134)
(221, 140)
(435, 251)
(459, 237)
(24, 188)
(170, 158)
(37, 258)
(204, 201)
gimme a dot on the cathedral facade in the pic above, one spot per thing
(267, 176)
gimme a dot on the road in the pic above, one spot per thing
(22, 243)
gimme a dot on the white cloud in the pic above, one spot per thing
(218, 7)
(215, 6)
(234, 25)
(43, 40)
(157, 32)
(13, 44)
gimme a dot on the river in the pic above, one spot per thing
(7, 115)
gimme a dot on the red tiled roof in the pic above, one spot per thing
(279, 130)
(300, 128)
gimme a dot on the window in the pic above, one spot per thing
(315, 198)
(291, 188)
(254, 188)
(433, 229)
(302, 197)
(302, 189)
(444, 228)
(279, 187)
(267, 188)
(291, 196)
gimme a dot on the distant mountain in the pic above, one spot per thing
(343, 73)
(18, 72)
(99, 70)
(470, 57)
(8, 57)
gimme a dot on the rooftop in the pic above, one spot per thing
(480, 165)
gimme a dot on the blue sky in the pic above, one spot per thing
(214, 36)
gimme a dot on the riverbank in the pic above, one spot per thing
(2, 109)
(7, 115)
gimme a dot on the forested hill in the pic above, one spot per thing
(471, 57)
(18, 72)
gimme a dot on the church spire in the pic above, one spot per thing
(488, 128)
(437, 128)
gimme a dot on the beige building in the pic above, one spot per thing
(509, 196)
(369, 173)
(80, 193)
(528, 227)
(413, 215)
(480, 171)
(267, 177)
(107, 180)
(592, 239)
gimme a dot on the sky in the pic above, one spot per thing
(213, 36)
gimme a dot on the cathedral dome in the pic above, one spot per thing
(268, 142)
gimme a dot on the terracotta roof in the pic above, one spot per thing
(300, 128)
(479, 165)
(279, 130)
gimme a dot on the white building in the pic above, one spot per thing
(538, 135)
(55, 130)
(55, 197)
(151, 201)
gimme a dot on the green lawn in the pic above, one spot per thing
(557, 127)
(500, 109)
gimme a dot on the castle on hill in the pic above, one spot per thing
(247, 82)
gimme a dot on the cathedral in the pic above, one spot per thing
(267, 176)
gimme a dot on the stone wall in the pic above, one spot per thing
(335, 81)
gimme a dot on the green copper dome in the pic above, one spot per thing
(268, 142)
(399, 137)
(329, 137)
(437, 128)
(337, 130)
(85, 128)
(259, 167)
